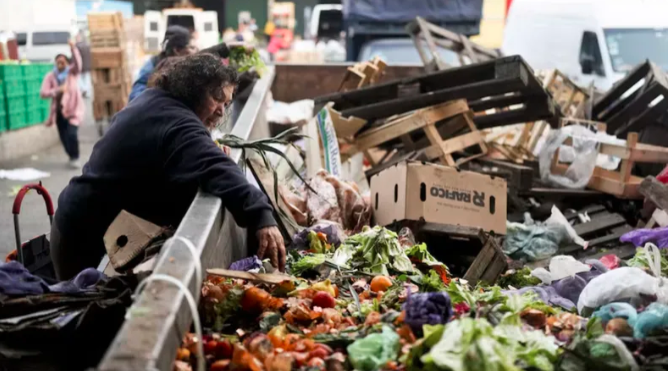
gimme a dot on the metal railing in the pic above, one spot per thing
(159, 317)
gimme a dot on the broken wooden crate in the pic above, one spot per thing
(362, 74)
(634, 102)
(468, 252)
(620, 183)
(434, 38)
(506, 85)
(426, 120)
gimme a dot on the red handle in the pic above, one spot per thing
(16, 210)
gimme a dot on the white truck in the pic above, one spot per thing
(42, 27)
(204, 25)
(589, 40)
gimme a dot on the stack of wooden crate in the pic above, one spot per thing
(111, 77)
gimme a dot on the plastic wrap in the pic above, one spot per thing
(585, 154)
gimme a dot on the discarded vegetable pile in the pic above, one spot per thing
(374, 301)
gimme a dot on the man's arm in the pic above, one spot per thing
(191, 155)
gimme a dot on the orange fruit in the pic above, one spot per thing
(380, 283)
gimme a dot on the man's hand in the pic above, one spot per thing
(272, 245)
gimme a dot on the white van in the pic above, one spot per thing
(44, 43)
(588, 40)
(203, 23)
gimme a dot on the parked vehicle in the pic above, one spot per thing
(43, 44)
(401, 51)
(588, 40)
(367, 20)
(204, 24)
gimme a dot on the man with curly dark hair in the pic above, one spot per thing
(157, 153)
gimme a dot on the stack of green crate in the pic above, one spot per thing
(33, 75)
(14, 95)
(45, 104)
(3, 109)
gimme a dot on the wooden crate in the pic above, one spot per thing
(107, 108)
(113, 38)
(363, 74)
(619, 183)
(105, 21)
(108, 58)
(426, 119)
(475, 255)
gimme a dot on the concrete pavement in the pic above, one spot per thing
(33, 217)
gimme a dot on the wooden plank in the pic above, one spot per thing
(451, 230)
(624, 252)
(407, 124)
(454, 144)
(522, 176)
(602, 223)
(589, 210)
(271, 278)
(441, 151)
(596, 241)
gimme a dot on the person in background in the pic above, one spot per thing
(84, 50)
(178, 42)
(67, 106)
(269, 29)
(156, 155)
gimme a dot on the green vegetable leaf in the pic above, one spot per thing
(307, 262)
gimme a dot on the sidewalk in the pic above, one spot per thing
(33, 218)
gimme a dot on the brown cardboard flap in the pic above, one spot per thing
(442, 195)
(345, 126)
(127, 238)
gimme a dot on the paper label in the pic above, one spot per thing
(329, 142)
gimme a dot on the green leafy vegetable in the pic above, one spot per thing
(473, 344)
(431, 282)
(227, 308)
(244, 59)
(307, 262)
(377, 249)
(519, 279)
(639, 260)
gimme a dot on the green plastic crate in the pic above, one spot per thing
(14, 88)
(33, 102)
(32, 71)
(33, 86)
(45, 111)
(16, 120)
(3, 122)
(33, 117)
(16, 104)
(10, 72)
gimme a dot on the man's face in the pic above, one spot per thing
(213, 112)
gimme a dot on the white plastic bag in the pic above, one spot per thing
(617, 285)
(585, 154)
(653, 256)
(558, 218)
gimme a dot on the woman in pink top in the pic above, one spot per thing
(67, 106)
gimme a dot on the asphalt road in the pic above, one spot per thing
(33, 219)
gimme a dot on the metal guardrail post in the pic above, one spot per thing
(159, 317)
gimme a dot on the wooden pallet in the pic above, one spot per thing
(363, 74)
(624, 112)
(571, 99)
(427, 34)
(618, 183)
(108, 58)
(426, 119)
(502, 83)
(107, 108)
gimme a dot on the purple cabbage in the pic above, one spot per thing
(431, 308)
(252, 262)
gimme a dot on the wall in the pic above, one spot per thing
(294, 82)
(257, 8)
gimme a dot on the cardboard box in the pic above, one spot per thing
(439, 194)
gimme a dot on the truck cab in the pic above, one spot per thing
(203, 25)
(595, 41)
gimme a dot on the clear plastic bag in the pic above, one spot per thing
(621, 284)
(584, 159)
